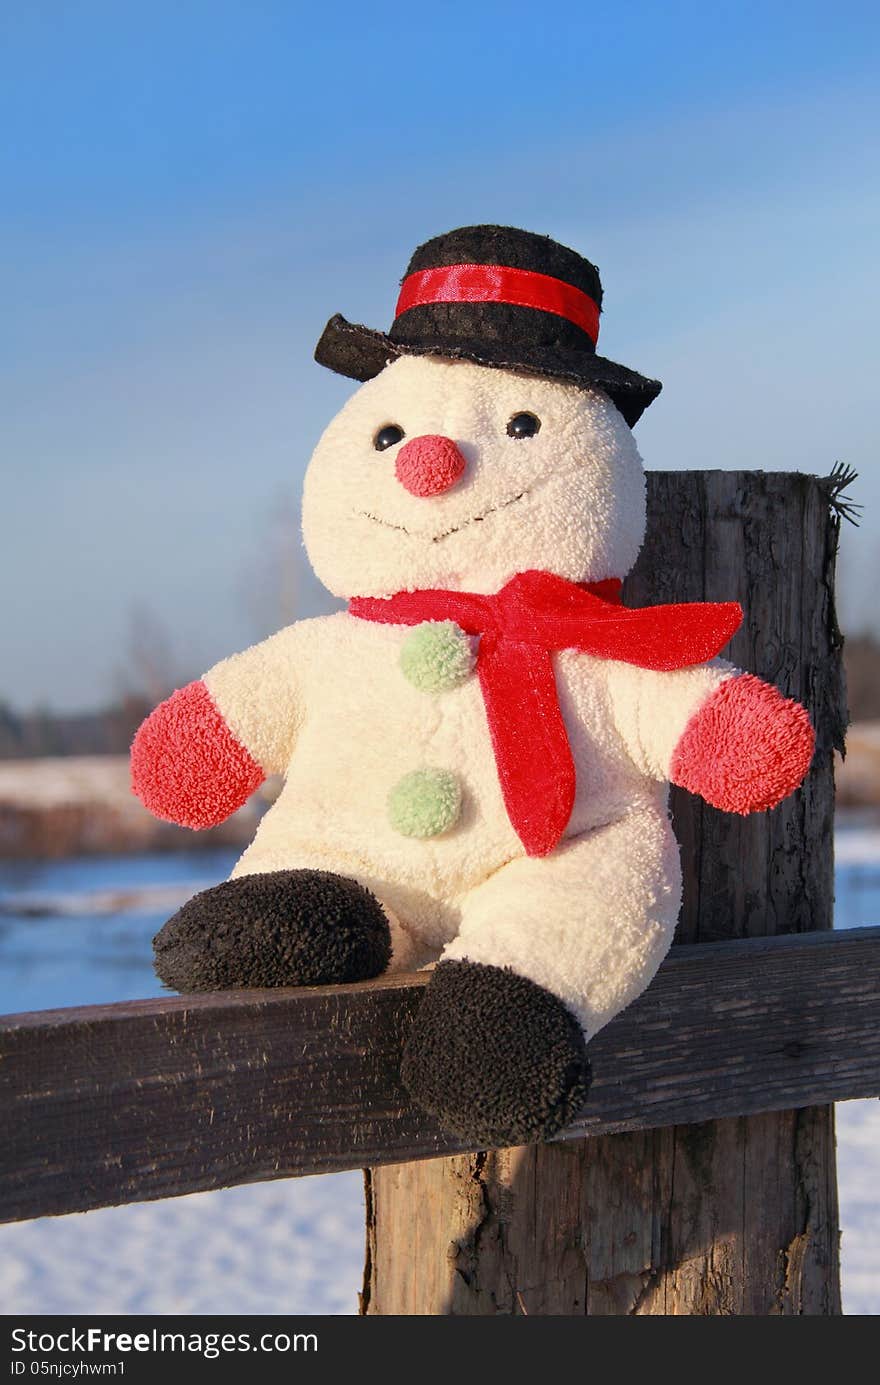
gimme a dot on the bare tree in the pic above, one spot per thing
(151, 669)
(272, 582)
(279, 586)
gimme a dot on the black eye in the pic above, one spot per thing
(523, 426)
(387, 437)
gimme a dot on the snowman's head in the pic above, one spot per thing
(441, 473)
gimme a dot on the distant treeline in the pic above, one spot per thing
(34, 735)
(29, 735)
(861, 657)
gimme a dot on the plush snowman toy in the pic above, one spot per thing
(477, 752)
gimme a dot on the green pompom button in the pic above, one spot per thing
(437, 655)
(424, 803)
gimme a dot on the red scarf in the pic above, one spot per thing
(534, 614)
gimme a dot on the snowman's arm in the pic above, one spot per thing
(202, 753)
(720, 733)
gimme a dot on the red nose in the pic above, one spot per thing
(429, 465)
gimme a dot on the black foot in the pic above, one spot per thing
(285, 928)
(497, 1059)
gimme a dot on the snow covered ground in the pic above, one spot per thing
(296, 1246)
(77, 932)
(858, 1176)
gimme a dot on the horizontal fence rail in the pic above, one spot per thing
(156, 1098)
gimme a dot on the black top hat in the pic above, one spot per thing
(499, 297)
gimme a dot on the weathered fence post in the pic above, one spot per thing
(730, 1216)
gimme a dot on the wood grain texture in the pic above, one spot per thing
(727, 1216)
(148, 1099)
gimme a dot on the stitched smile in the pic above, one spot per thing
(435, 538)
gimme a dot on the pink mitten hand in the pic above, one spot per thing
(186, 765)
(746, 748)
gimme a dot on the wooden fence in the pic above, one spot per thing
(699, 1179)
(154, 1098)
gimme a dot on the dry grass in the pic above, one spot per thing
(858, 776)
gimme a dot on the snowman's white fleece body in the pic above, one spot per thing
(590, 923)
(455, 477)
(328, 704)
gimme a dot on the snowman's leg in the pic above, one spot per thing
(275, 928)
(295, 918)
(548, 951)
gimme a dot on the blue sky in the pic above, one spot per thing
(190, 190)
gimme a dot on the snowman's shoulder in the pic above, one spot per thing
(632, 690)
(339, 638)
(622, 674)
(580, 668)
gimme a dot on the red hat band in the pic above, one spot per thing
(490, 283)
